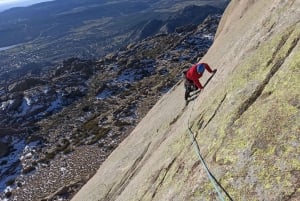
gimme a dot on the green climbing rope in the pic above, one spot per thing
(212, 179)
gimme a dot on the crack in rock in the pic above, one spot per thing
(133, 170)
(277, 64)
(166, 170)
(216, 110)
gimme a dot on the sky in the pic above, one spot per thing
(6, 4)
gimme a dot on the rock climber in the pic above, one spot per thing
(192, 76)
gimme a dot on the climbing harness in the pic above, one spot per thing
(212, 179)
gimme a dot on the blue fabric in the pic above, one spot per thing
(200, 68)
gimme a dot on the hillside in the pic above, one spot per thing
(43, 35)
(246, 120)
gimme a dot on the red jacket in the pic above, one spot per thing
(194, 76)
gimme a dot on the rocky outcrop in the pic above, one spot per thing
(26, 84)
(34, 98)
(245, 121)
(150, 28)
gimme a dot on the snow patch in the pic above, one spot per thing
(26, 109)
(136, 74)
(11, 165)
(56, 104)
(46, 89)
(127, 75)
(208, 36)
(28, 101)
(104, 94)
(5, 104)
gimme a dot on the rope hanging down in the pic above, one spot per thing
(212, 179)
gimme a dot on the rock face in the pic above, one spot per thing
(246, 121)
